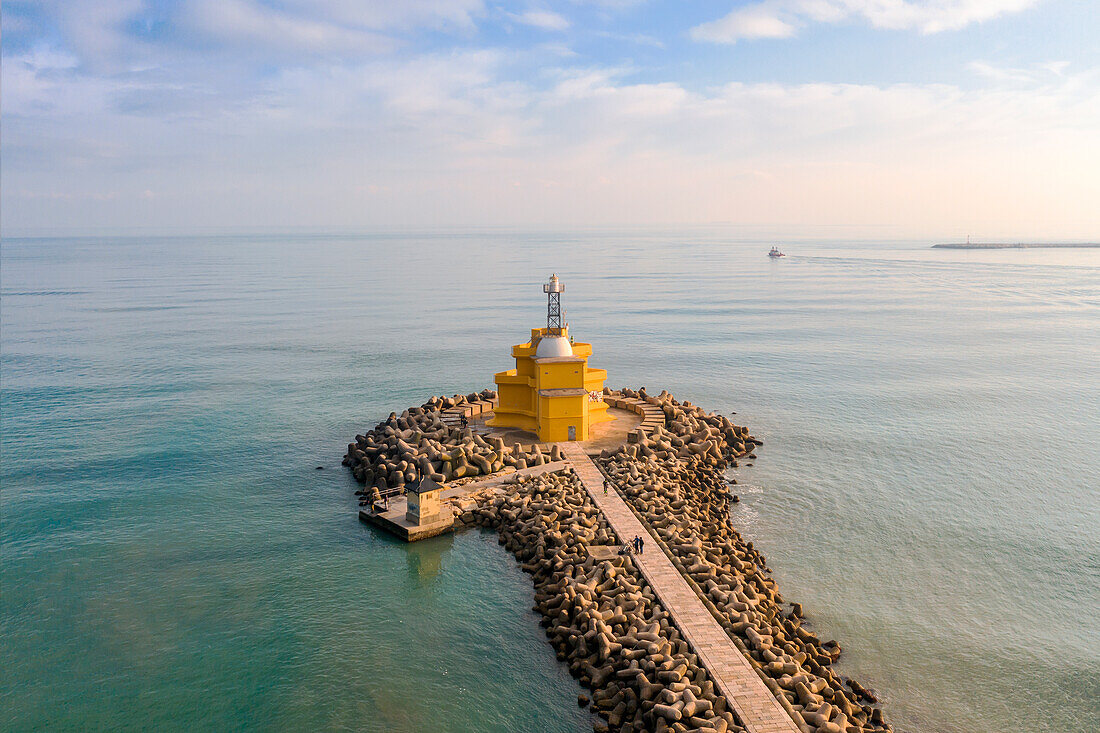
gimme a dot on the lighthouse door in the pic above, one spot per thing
(572, 432)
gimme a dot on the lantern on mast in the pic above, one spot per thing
(553, 290)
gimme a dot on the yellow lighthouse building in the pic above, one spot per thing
(552, 391)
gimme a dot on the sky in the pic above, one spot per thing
(798, 118)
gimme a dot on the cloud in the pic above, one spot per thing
(390, 15)
(252, 113)
(95, 31)
(1032, 76)
(47, 58)
(1055, 67)
(452, 139)
(249, 22)
(640, 39)
(782, 18)
(38, 82)
(562, 50)
(755, 21)
(116, 36)
(999, 73)
(544, 19)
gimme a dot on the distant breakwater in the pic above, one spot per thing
(600, 614)
(1018, 245)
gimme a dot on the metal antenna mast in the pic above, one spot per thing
(553, 290)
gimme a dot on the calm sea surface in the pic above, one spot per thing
(929, 487)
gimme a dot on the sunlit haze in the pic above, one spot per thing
(813, 118)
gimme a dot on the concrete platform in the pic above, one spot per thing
(599, 553)
(502, 478)
(393, 521)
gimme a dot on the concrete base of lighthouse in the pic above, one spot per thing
(609, 434)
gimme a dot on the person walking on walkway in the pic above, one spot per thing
(641, 545)
(605, 487)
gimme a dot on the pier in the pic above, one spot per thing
(747, 694)
(692, 635)
(750, 699)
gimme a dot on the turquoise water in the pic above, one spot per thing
(929, 486)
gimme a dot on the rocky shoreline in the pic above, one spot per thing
(600, 614)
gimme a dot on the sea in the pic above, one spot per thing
(180, 544)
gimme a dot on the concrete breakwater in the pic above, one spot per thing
(600, 612)
(422, 443)
(673, 480)
(601, 617)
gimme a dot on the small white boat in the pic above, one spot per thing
(776, 253)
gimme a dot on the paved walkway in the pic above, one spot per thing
(734, 677)
(498, 480)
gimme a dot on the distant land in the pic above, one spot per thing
(1015, 245)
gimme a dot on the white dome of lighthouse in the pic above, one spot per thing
(553, 346)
